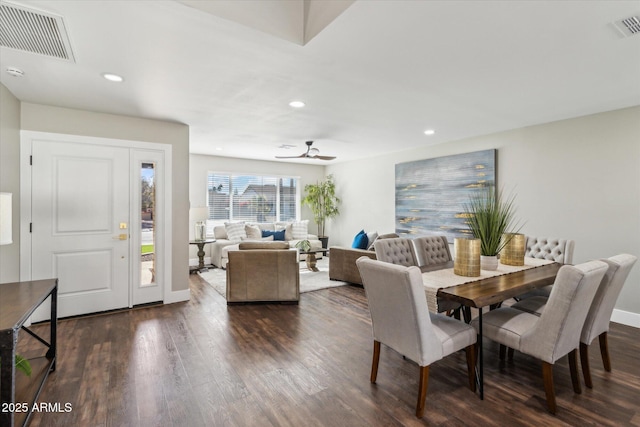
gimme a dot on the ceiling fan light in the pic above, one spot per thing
(313, 152)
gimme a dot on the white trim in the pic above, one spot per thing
(177, 296)
(26, 138)
(626, 318)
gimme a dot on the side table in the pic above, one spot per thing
(200, 244)
(311, 258)
(18, 301)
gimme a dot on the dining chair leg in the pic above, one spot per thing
(584, 361)
(547, 376)
(471, 366)
(573, 368)
(604, 351)
(376, 359)
(503, 351)
(422, 390)
(510, 353)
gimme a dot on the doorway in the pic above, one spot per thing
(96, 215)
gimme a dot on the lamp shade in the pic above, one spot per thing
(199, 214)
(6, 237)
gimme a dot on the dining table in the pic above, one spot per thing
(489, 289)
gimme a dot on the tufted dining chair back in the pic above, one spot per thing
(432, 253)
(397, 251)
(550, 248)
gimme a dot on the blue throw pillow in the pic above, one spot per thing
(361, 241)
(277, 235)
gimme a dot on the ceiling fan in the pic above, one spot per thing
(312, 153)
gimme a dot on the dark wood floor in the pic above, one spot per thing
(200, 363)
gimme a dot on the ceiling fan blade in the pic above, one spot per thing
(292, 157)
(324, 157)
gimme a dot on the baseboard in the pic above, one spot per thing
(626, 318)
(177, 296)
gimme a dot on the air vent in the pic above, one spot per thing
(33, 31)
(628, 27)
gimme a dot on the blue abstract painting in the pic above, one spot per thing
(431, 193)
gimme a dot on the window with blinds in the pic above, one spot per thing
(251, 198)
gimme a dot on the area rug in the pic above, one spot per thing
(309, 280)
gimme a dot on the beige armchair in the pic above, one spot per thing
(263, 272)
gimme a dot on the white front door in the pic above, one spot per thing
(80, 224)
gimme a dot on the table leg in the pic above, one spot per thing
(51, 354)
(311, 262)
(480, 356)
(201, 257)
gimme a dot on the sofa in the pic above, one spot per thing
(263, 272)
(230, 235)
(342, 261)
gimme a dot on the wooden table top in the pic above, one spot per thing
(18, 300)
(494, 290)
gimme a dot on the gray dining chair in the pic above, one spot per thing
(551, 249)
(401, 320)
(597, 322)
(555, 333)
(433, 253)
(398, 251)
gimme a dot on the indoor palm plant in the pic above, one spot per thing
(321, 198)
(491, 215)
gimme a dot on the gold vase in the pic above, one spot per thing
(513, 251)
(467, 257)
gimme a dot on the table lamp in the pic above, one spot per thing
(200, 215)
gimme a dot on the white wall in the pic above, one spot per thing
(200, 165)
(576, 179)
(10, 180)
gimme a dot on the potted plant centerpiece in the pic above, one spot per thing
(321, 198)
(491, 215)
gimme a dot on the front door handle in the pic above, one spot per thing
(121, 237)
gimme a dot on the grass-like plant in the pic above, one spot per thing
(22, 364)
(490, 215)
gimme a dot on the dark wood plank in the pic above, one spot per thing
(494, 290)
(201, 363)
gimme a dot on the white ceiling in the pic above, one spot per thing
(373, 74)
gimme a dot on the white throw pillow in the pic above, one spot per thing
(300, 230)
(372, 236)
(220, 232)
(253, 232)
(288, 232)
(235, 231)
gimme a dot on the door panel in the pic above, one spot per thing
(80, 199)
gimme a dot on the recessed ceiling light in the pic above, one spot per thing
(296, 104)
(429, 132)
(218, 148)
(113, 77)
